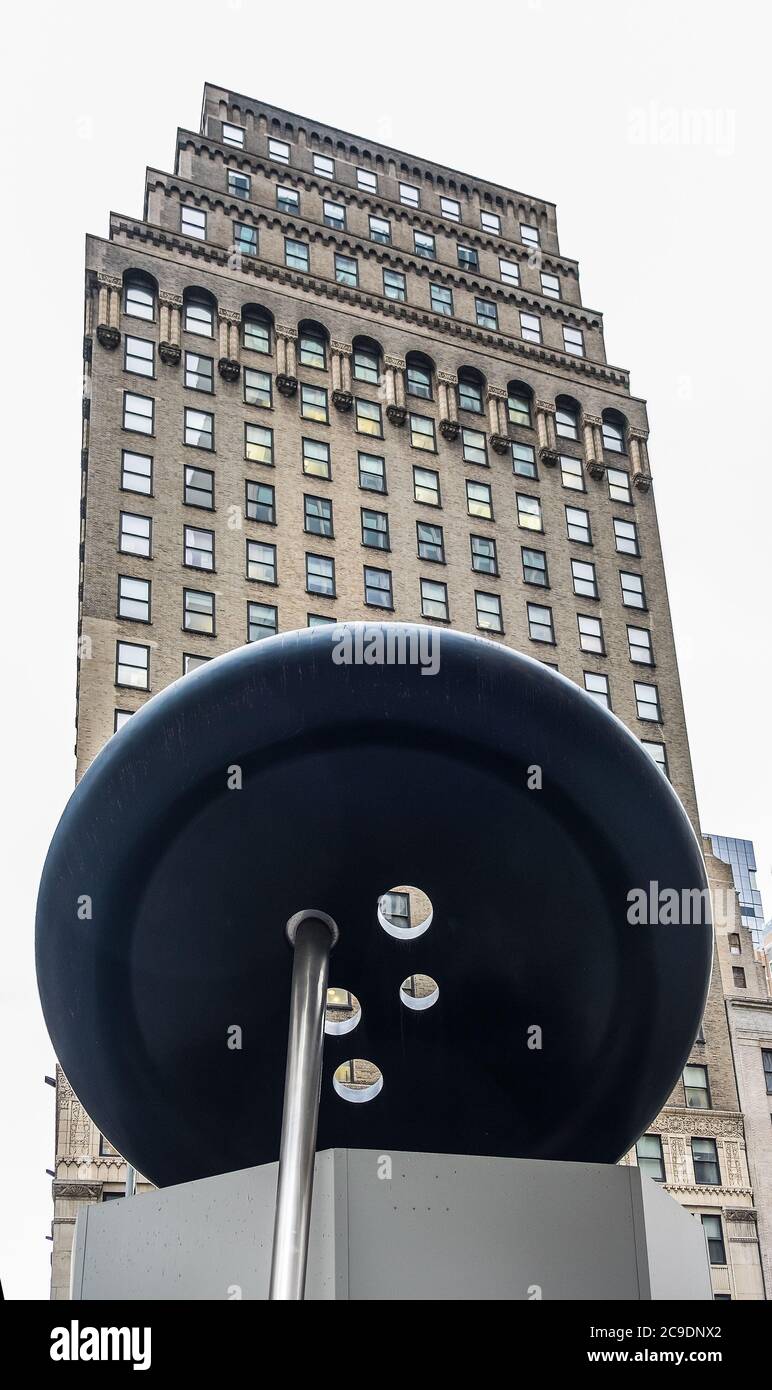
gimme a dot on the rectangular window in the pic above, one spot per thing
(434, 600)
(639, 642)
(261, 562)
(597, 686)
(320, 575)
(366, 364)
(132, 665)
(257, 388)
(380, 230)
(468, 258)
(524, 460)
(584, 578)
(590, 634)
(198, 611)
(313, 351)
(530, 327)
(198, 487)
(372, 472)
(134, 599)
(378, 588)
(626, 537)
(490, 222)
(295, 254)
(449, 207)
(529, 234)
(122, 716)
(324, 165)
(199, 317)
(424, 245)
(262, 621)
(658, 755)
(239, 184)
(260, 502)
(367, 181)
(394, 286)
(419, 380)
(192, 663)
(766, 1063)
(426, 486)
(199, 428)
(409, 195)
(529, 512)
(199, 372)
(368, 418)
(441, 299)
(317, 516)
(138, 413)
(135, 535)
(550, 285)
(573, 341)
(245, 238)
(647, 702)
(633, 594)
(738, 977)
(696, 1088)
(519, 409)
(705, 1160)
(486, 314)
(540, 625)
(375, 529)
(572, 473)
(287, 199)
(233, 134)
(479, 500)
(258, 444)
(136, 472)
(509, 271)
(578, 525)
(316, 458)
(484, 557)
(711, 1225)
(649, 1153)
(618, 485)
(422, 433)
(138, 301)
(313, 404)
(534, 567)
(334, 215)
(193, 222)
(199, 548)
(567, 422)
(279, 150)
(470, 394)
(431, 542)
(474, 447)
(735, 949)
(257, 334)
(139, 356)
(346, 270)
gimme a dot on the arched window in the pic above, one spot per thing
(257, 328)
(567, 418)
(470, 390)
(419, 376)
(199, 312)
(139, 295)
(519, 403)
(313, 346)
(614, 431)
(367, 360)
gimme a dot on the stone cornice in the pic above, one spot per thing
(181, 247)
(703, 1191)
(702, 1124)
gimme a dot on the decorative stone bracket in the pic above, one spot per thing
(396, 410)
(109, 310)
(592, 430)
(286, 359)
(639, 459)
(447, 392)
(497, 418)
(229, 366)
(342, 397)
(545, 433)
(169, 313)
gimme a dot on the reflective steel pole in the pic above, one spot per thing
(312, 934)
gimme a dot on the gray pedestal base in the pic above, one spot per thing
(403, 1226)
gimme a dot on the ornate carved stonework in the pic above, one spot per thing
(591, 419)
(448, 378)
(343, 348)
(548, 456)
(108, 337)
(596, 468)
(229, 315)
(172, 301)
(449, 429)
(700, 1122)
(397, 362)
(288, 385)
(642, 481)
(77, 1190)
(546, 407)
(342, 400)
(283, 330)
(170, 353)
(499, 443)
(112, 282)
(397, 414)
(496, 393)
(229, 369)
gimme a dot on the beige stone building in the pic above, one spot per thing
(325, 379)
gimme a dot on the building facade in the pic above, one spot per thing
(327, 380)
(741, 857)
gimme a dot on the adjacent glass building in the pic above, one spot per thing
(740, 857)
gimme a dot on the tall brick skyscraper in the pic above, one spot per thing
(327, 380)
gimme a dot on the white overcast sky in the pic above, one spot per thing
(646, 121)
